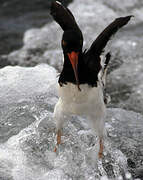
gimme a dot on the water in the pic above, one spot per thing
(42, 45)
(28, 96)
(28, 133)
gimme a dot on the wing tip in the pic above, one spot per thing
(128, 18)
(55, 5)
(58, 2)
(124, 19)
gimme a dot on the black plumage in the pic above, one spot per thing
(64, 18)
(89, 63)
(82, 68)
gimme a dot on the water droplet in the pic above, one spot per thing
(128, 175)
(104, 178)
(120, 178)
(134, 44)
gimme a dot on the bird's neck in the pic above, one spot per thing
(67, 74)
(84, 74)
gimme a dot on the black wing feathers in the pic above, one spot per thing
(64, 17)
(92, 56)
(101, 41)
(90, 61)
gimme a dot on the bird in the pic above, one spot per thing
(81, 83)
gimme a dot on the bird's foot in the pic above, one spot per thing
(100, 154)
(55, 149)
(58, 139)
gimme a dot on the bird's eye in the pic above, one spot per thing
(80, 42)
(64, 43)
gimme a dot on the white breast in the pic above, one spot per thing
(88, 101)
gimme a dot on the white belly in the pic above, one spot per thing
(88, 101)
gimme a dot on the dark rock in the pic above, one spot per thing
(4, 61)
(18, 16)
(41, 43)
(139, 174)
(131, 163)
(127, 136)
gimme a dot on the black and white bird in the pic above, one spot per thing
(82, 80)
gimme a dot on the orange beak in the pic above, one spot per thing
(73, 56)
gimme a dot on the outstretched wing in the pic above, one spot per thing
(92, 56)
(101, 41)
(64, 17)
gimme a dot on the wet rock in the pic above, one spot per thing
(17, 100)
(27, 135)
(139, 173)
(34, 140)
(124, 84)
(18, 16)
(40, 46)
(4, 61)
(127, 136)
(131, 163)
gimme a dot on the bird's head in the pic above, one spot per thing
(72, 43)
(72, 39)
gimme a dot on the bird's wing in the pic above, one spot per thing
(92, 56)
(101, 41)
(64, 17)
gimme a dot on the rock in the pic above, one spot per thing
(18, 16)
(126, 134)
(125, 71)
(125, 83)
(42, 49)
(20, 89)
(28, 96)
(27, 135)
(4, 61)
(139, 174)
